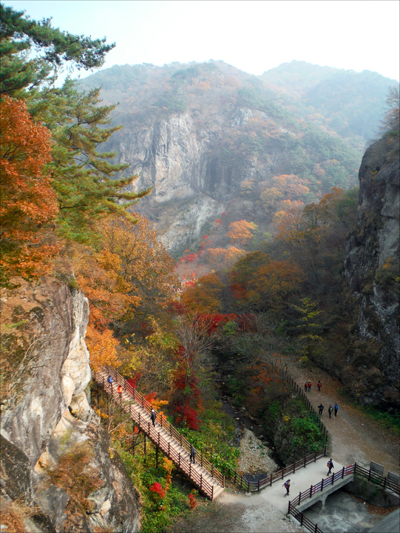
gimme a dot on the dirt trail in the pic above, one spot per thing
(355, 436)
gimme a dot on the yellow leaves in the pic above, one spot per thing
(241, 231)
(246, 186)
(224, 258)
(102, 347)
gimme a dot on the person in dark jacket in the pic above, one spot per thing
(287, 486)
(330, 466)
(192, 455)
(319, 386)
(336, 408)
(320, 408)
(153, 417)
(330, 409)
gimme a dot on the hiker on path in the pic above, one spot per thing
(153, 417)
(321, 408)
(306, 386)
(319, 386)
(192, 455)
(109, 379)
(336, 408)
(330, 409)
(120, 392)
(309, 386)
(330, 466)
(287, 486)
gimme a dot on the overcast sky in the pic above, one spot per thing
(252, 36)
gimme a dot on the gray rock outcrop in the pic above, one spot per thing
(48, 424)
(371, 269)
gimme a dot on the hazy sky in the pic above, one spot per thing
(252, 36)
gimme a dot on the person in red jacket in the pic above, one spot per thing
(319, 386)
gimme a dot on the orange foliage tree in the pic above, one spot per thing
(131, 270)
(204, 296)
(27, 200)
(224, 258)
(241, 231)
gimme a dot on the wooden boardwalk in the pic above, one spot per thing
(204, 476)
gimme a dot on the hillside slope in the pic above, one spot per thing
(210, 139)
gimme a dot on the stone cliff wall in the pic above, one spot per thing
(46, 418)
(192, 183)
(371, 269)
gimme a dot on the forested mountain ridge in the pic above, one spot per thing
(210, 139)
(350, 103)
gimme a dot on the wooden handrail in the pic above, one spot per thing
(181, 460)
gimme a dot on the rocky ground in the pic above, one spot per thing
(255, 456)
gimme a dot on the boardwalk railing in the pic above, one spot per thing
(181, 460)
(256, 486)
(355, 469)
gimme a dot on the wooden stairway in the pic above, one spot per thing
(204, 476)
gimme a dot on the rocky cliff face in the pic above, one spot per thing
(372, 271)
(190, 189)
(47, 421)
(208, 139)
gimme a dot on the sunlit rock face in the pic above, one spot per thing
(371, 268)
(46, 415)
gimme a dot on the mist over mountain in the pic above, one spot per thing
(211, 139)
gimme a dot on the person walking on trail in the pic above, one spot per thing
(329, 464)
(309, 386)
(109, 379)
(192, 455)
(120, 392)
(153, 417)
(306, 386)
(336, 408)
(319, 386)
(330, 409)
(287, 486)
(320, 408)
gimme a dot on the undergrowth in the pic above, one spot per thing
(166, 496)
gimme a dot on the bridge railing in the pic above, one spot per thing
(355, 469)
(161, 419)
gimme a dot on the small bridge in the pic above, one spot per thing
(325, 487)
(204, 476)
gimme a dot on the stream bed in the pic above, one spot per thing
(344, 513)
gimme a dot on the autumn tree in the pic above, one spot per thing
(193, 363)
(224, 258)
(205, 295)
(131, 275)
(241, 231)
(27, 200)
(241, 274)
(274, 285)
